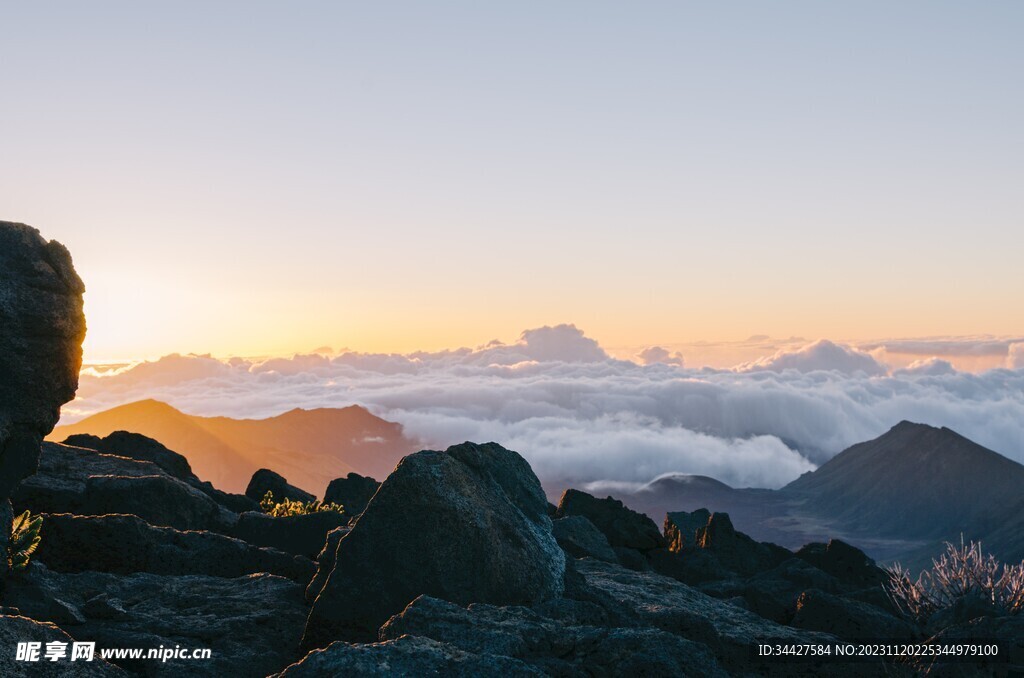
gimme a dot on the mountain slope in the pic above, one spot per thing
(897, 497)
(914, 481)
(309, 447)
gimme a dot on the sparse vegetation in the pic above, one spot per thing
(25, 540)
(290, 507)
(962, 572)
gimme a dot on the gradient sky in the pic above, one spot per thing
(251, 177)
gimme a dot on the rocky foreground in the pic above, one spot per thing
(454, 564)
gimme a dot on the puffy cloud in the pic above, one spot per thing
(928, 366)
(1015, 356)
(562, 342)
(821, 355)
(653, 355)
(580, 417)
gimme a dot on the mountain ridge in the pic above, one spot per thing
(310, 447)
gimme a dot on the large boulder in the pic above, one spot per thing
(159, 500)
(124, 544)
(580, 539)
(551, 646)
(64, 484)
(469, 524)
(136, 446)
(16, 629)
(622, 526)
(41, 331)
(353, 492)
(265, 480)
(251, 624)
(303, 535)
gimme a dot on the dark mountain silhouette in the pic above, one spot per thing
(914, 481)
(309, 447)
(898, 496)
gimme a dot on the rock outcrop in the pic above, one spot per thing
(848, 619)
(681, 528)
(623, 527)
(138, 447)
(580, 539)
(41, 331)
(466, 525)
(252, 624)
(553, 647)
(123, 544)
(406, 656)
(671, 606)
(265, 480)
(353, 492)
(735, 550)
(86, 482)
(16, 629)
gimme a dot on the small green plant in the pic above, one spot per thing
(294, 507)
(960, 572)
(24, 540)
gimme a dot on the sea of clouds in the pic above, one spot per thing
(578, 414)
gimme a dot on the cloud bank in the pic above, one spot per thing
(581, 416)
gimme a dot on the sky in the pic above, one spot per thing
(253, 178)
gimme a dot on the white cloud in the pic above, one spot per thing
(821, 355)
(656, 354)
(580, 416)
(1015, 356)
(928, 366)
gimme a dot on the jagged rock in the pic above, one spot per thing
(622, 526)
(302, 535)
(158, 499)
(672, 606)
(252, 624)
(681, 529)
(406, 656)
(41, 332)
(580, 539)
(848, 619)
(550, 646)
(735, 550)
(467, 525)
(846, 563)
(138, 447)
(17, 629)
(325, 562)
(265, 480)
(353, 492)
(64, 476)
(124, 544)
